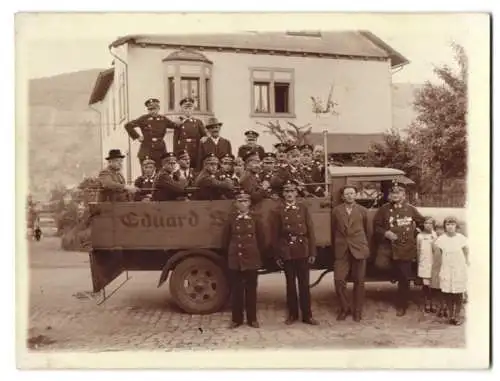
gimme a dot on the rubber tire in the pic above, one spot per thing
(183, 302)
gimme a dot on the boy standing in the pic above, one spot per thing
(295, 249)
(243, 238)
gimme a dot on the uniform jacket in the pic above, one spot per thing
(189, 175)
(187, 136)
(271, 178)
(243, 239)
(236, 182)
(146, 184)
(112, 186)
(210, 188)
(222, 147)
(252, 184)
(292, 232)
(153, 128)
(245, 148)
(350, 232)
(403, 221)
(288, 172)
(166, 188)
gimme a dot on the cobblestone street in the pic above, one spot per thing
(139, 315)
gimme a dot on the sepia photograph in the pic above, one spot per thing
(196, 184)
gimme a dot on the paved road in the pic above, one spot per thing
(139, 316)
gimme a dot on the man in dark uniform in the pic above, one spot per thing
(113, 185)
(227, 169)
(153, 127)
(166, 188)
(189, 133)
(214, 143)
(269, 174)
(293, 171)
(251, 145)
(395, 225)
(251, 181)
(209, 187)
(281, 156)
(145, 182)
(184, 172)
(243, 240)
(294, 246)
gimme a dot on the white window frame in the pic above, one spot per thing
(271, 96)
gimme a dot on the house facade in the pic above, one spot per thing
(247, 80)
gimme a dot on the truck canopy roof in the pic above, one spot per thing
(369, 174)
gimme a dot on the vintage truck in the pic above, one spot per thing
(182, 239)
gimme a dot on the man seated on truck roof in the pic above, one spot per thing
(209, 187)
(166, 187)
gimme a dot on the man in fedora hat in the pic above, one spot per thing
(209, 186)
(152, 129)
(215, 143)
(189, 133)
(113, 185)
(251, 145)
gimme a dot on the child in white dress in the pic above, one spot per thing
(425, 241)
(453, 273)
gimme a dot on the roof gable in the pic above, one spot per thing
(340, 44)
(102, 85)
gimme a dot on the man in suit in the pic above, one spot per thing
(251, 145)
(166, 188)
(189, 133)
(251, 181)
(243, 240)
(350, 245)
(215, 143)
(113, 185)
(152, 127)
(394, 226)
(294, 247)
(146, 181)
(209, 187)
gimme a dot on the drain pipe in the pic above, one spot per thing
(129, 156)
(100, 134)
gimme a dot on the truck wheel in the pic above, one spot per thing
(199, 286)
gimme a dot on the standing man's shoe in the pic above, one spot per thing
(310, 321)
(234, 325)
(290, 320)
(356, 316)
(342, 315)
(401, 312)
(254, 324)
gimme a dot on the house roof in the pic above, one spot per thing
(338, 44)
(102, 85)
(346, 143)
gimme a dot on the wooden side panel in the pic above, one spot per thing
(320, 209)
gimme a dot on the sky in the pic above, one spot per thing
(64, 45)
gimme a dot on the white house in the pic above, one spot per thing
(246, 79)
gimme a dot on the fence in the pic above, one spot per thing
(446, 200)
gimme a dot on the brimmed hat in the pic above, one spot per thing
(289, 185)
(213, 122)
(269, 156)
(250, 154)
(185, 100)
(151, 102)
(227, 157)
(281, 147)
(168, 155)
(397, 186)
(148, 161)
(210, 158)
(292, 147)
(251, 134)
(182, 154)
(307, 147)
(115, 154)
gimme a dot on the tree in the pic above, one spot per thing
(440, 129)
(292, 134)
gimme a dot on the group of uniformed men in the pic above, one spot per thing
(201, 165)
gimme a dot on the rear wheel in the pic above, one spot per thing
(199, 286)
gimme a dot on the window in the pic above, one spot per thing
(171, 93)
(190, 87)
(114, 122)
(208, 91)
(272, 92)
(106, 121)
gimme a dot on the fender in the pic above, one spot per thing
(181, 255)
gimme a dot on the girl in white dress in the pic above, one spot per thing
(425, 241)
(453, 273)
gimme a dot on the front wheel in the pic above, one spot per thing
(199, 286)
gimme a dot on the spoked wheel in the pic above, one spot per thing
(199, 286)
